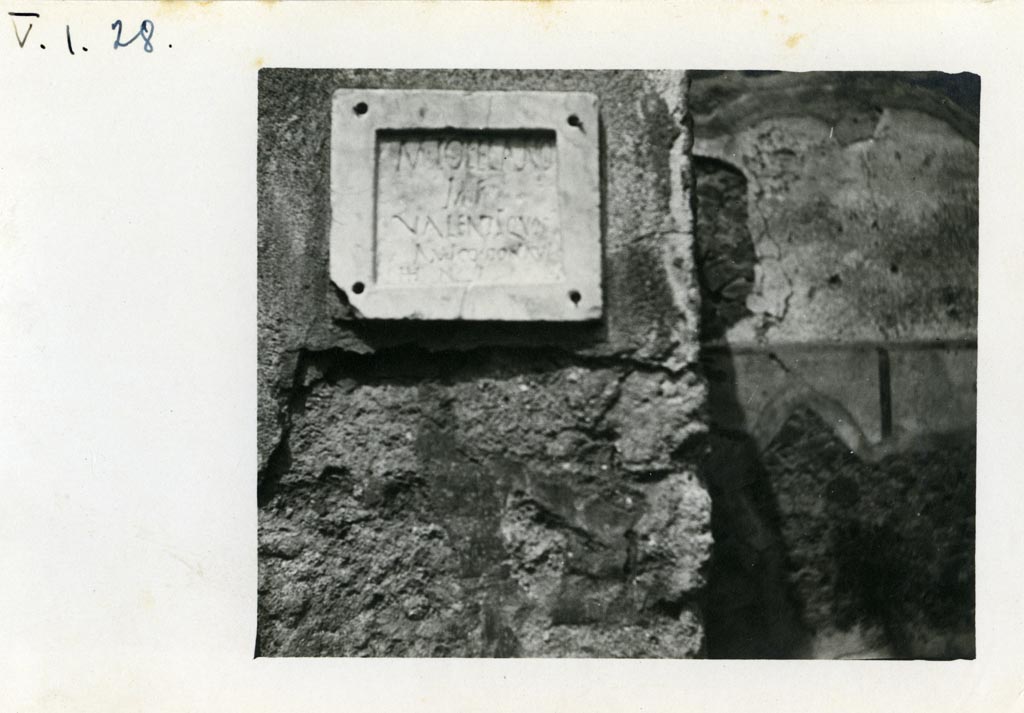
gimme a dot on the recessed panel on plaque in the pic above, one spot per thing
(475, 206)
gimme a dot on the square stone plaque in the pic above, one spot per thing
(466, 205)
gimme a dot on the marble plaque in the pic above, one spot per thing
(477, 206)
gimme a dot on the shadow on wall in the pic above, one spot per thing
(751, 612)
(820, 552)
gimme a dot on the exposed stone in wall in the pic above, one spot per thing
(824, 555)
(884, 549)
(482, 489)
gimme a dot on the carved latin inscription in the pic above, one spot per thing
(466, 205)
(459, 207)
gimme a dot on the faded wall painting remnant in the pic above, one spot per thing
(837, 248)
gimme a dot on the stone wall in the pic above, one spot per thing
(528, 489)
(482, 489)
(837, 245)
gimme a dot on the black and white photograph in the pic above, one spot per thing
(624, 363)
(511, 356)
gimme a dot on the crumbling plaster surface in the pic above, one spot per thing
(837, 253)
(859, 189)
(482, 489)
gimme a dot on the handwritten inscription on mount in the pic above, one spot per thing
(458, 207)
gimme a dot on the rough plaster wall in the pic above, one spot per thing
(862, 191)
(837, 254)
(445, 489)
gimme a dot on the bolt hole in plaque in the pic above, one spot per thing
(466, 205)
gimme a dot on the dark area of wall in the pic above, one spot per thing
(837, 257)
(881, 549)
(725, 253)
(481, 489)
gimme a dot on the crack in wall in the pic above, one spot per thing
(768, 317)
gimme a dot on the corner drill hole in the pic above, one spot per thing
(360, 108)
(575, 121)
(358, 287)
(574, 295)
